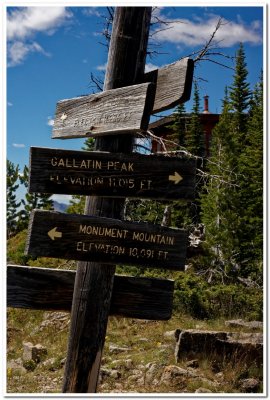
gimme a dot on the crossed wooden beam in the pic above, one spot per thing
(52, 290)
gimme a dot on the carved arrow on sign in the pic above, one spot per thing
(176, 178)
(53, 233)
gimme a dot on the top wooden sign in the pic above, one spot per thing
(173, 84)
(127, 109)
(113, 111)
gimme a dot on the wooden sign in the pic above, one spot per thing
(52, 290)
(111, 175)
(173, 84)
(123, 110)
(105, 240)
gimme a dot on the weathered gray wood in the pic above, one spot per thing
(111, 112)
(106, 240)
(93, 285)
(112, 175)
(50, 289)
(173, 84)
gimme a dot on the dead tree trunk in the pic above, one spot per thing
(94, 282)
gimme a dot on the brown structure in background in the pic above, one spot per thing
(162, 127)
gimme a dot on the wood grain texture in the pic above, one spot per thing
(52, 290)
(106, 240)
(113, 111)
(111, 174)
(173, 84)
(93, 284)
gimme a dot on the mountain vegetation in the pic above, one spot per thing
(223, 278)
(228, 208)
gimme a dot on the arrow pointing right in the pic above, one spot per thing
(176, 178)
(53, 234)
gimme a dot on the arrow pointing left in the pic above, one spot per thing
(53, 234)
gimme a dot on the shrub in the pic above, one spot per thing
(194, 296)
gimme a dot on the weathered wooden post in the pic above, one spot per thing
(94, 282)
(102, 236)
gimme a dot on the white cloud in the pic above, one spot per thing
(198, 31)
(150, 67)
(50, 121)
(89, 11)
(102, 67)
(9, 104)
(18, 145)
(23, 23)
(17, 52)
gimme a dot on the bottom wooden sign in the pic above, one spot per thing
(50, 289)
(105, 240)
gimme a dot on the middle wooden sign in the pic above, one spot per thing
(105, 174)
(105, 240)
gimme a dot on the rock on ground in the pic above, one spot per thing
(250, 385)
(245, 346)
(240, 323)
(34, 352)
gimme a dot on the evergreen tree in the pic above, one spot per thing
(194, 136)
(178, 127)
(89, 144)
(32, 201)
(251, 180)
(195, 145)
(219, 209)
(12, 204)
(240, 100)
(76, 205)
(232, 206)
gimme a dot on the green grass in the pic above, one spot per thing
(147, 345)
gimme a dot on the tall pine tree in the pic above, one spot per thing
(240, 101)
(195, 145)
(251, 180)
(194, 140)
(232, 207)
(219, 211)
(178, 127)
(12, 203)
(240, 96)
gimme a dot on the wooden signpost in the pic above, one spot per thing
(111, 174)
(119, 110)
(101, 237)
(108, 241)
(127, 109)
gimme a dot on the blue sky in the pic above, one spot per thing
(52, 51)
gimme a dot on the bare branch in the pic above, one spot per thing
(209, 43)
(96, 82)
(206, 177)
(210, 49)
(218, 63)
